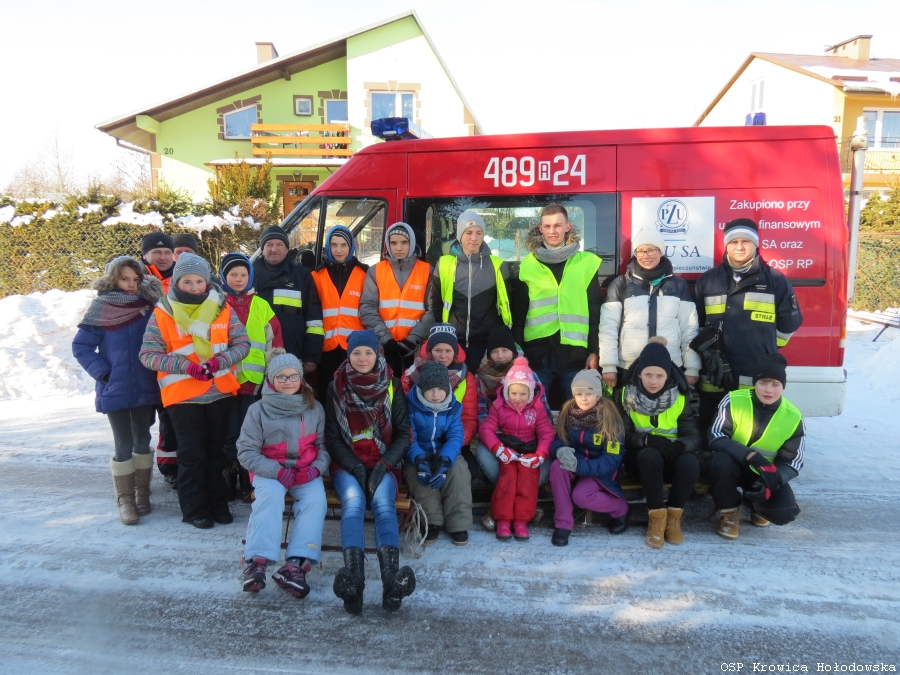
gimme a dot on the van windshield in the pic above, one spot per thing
(508, 219)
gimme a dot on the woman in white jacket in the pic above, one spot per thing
(648, 300)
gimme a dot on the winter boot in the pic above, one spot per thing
(255, 575)
(143, 473)
(538, 514)
(292, 577)
(656, 528)
(560, 537)
(396, 583)
(487, 522)
(758, 520)
(520, 530)
(729, 523)
(123, 481)
(350, 580)
(620, 524)
(674, 535)
(504, 533)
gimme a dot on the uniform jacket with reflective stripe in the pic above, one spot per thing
(634, 312)
(788, 461)
(240, 304)
(596, 457)
(340, 307)
(758, 314)
(290, 290)
(268, 443)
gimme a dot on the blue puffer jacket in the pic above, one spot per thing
(600, 461)
(114, 353)
(434, 433)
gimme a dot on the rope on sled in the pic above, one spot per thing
(413, 544)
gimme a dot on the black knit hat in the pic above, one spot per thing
(771, 367)
(654, 354)
(433, 375)
(500, 336)
(742, 228)
(442, 334)
(156, 240)
(273, 232)
(186, 239)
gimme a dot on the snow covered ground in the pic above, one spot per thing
(84, 594)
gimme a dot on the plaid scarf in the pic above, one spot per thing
(489, 376)
(116, 309)
(361, 402)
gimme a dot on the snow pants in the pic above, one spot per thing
(726, 475)
(353, 511)
(451, 506)
(201, 429)
(585, 492)
(264, 528)
(515, 497)
(650, 467)
(131, 430)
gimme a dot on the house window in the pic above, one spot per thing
(336, 111)
(303, 105)
(883, 127)
(756, 95)
(237, 123)
(393, 104)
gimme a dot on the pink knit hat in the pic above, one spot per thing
(519, 373)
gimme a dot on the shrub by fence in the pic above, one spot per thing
(878, 271)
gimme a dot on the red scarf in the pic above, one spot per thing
(361, 402)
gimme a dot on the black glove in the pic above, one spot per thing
(359, 473)
(716, 369)
(671, 450)
(391, 348)
(423, 469)
(769, 478)
(375, 476)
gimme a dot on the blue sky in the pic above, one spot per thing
(563, 64)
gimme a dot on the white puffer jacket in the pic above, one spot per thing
(633, 307)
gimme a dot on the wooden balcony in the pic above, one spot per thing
(301, 140)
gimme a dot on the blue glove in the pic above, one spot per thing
(423, 470)
(437, 482)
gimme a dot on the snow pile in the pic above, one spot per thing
(7, 213)
(36, 334)
(127, 214)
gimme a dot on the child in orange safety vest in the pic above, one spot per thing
(192, 340)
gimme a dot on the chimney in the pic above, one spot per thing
(265, 51)
(856, 48)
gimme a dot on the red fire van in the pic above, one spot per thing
(687, 183)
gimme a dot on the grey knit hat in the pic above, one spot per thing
(588, 382)
(466, 220)
(279, 360)
(433, 375)
(188, 263)
(113, 265)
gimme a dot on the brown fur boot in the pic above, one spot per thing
(674, 535)
(729, 523)
(123, 481)
(655, 528)
(143, 474)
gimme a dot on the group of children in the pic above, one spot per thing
(232, 393)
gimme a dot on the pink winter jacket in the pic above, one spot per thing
(532, 423)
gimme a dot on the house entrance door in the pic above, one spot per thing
(294, 193)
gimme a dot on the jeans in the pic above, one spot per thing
(546, 375)
(131, 430)
(490, 465)
(264, 528)
(353, 511)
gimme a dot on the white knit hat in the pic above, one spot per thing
(649, 236)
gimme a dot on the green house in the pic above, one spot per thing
(308, 111)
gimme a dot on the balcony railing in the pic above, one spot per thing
(301, 140)
(882, 156)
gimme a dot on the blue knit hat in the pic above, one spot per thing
(362, 338)
(230, 261)
(344, 233)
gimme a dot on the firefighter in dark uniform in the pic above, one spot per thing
(746, 309)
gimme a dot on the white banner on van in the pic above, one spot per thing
(686, 224)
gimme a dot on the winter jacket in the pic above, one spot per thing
(269, 443)
(368, 306)
(688, 431)
(111, 358)
(473, 312)
(564, 358)
(788, 461)
(240, 305)
(345, 457)
(165, 278)
(301, 327)
(597, 457)
(484, 408)
(757, 314)
(469, 400)
(635, 311)
(434, 432)
(530, 424)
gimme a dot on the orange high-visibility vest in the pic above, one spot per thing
(340, 313)
(177, 387)
(155, 272)
(401, 309)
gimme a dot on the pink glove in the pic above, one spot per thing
(198, 372)
(213, 366)
(287, 477)
(531, 461)
(306, 474)
(504, 454)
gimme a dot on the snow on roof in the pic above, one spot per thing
(871, 80)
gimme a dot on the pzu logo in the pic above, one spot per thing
(672, 217)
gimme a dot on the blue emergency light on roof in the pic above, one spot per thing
(396, 128)
(757, 119)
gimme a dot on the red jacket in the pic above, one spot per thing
(469, 402)
(531, 424)
(240, 304)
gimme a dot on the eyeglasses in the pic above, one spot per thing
(281, 379)
(647, 252)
